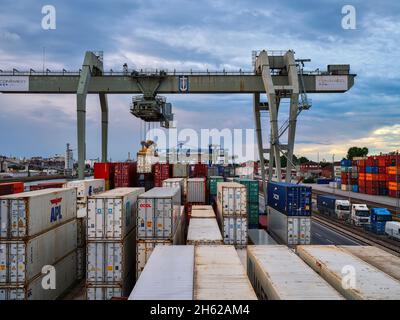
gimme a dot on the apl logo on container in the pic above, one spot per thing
(55, 209)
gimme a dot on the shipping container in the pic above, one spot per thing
(144, 163)
(30, 213)
(251, 188)
(212, 184)
(168, 275)
(81, 263)
(158, 213)
(11, 187)
(204, 232)
(21, 261)
(112, 214)
(380, 259)
(231, 199)
(198, 170)
(234, 230)
(65, 271)
(332, 262)
(144, 248)
(125, 174)
(112, 262)
(104, 170)
(196, 190)
(81, 231)
(202, 213)
(86, 188)
(176, 183)
(46, 185)
(277, 273)
(291, 230)
(103, 291)
(212, 171)
(290, 199)
(180, 170)
(161, 173)
(219, 275)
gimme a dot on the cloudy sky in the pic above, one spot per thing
(200, 35)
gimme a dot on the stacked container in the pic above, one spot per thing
(198, 170)
(180, 170)
(124, 174)
(37, 238)
(393, 183)
(346, 175)
(111, 235)
(252, 201)
(177, 183)
(196, 190)
(46, 185)
(212, 187)
(11, 187)
(161, 173)
(212, 171)
(231, 212)
(289, 212)
(361, 167)
(160, 221)
(84, 189)
(105, 170)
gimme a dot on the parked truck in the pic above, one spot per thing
(360, 214)
(392, 229)
(334, 207)
(379, 218)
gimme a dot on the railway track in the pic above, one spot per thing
(358, 234)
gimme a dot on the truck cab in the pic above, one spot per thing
(360, 214)
(342, 209)
(379, 218)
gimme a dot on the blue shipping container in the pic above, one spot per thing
(326, 203)
(379, 216)
(290, 199)
(346, 163)
(354, 188)
(323, 181)
(369, 169)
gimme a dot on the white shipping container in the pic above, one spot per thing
(277, 273)
(144, 248)
(30, 213)
(86, 188)
(379, 258)
(219, 274)
(21, 261)
(203, 231)
(144, 163)
(196, 190)
(180, 170)
(231, 199)
(103, 292)
(158, 213)
(176, 183)
(291, 230)
(112, 262)
(112, 214)
(234, 230)
(392, 229)
(65, 270)
(168, 275)
(333, 263)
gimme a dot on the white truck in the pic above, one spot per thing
(360, 214)
(334, 207)
(392, 229)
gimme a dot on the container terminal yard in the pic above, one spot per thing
(197, 223)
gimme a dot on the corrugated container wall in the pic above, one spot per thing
(30, 213)
(231, 199)
(180, 170)
(196, 190)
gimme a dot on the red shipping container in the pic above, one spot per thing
(11, 187)
(361, 189)
(198, 170)
(124, 174)
(394, 193)
(161, 172)
(372, 191)
(46, 185)
(393, 177)
(105, 170)
(263, 222)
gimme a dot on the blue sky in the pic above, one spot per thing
(198, 35)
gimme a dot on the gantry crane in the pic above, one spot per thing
(276, 73)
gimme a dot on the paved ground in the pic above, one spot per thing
(323, 235)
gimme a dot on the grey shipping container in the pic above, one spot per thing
(168, 275)
(158, 213)
(27, 214)
(103, 291)
(290, 230)
(196, 190)
(143, 252)
(21, 261)
(65, 271)
(180, 170)
(112, 214)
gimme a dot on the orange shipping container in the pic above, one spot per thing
(361, 176)
(393, 170)
(394, 186)
(382, 177)
(369, 176)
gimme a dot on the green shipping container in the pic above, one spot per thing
(252, 213)
(212, 184)
(252, 189)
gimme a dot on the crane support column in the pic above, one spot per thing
(92, 65)
(104, 126)
(294, 108)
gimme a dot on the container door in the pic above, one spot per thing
(95, 263)
(3, 263)
(145, 217)
(4, 214)
(113, 262)
(163, 218)
(17, 262)
(114, 218)
(18, 218)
